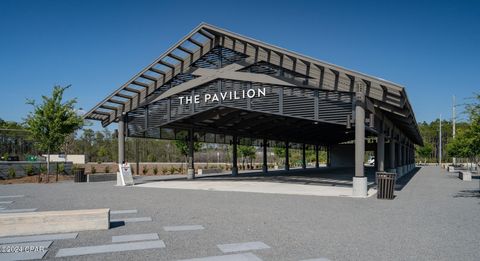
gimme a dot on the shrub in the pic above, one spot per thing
(29, 170)
(107, 169)
(164, 171)
(155, 170)
(93, 170)
(75, 167)
(11, 173)
(172, 170)
(61, 168)
(145, 170)
(43, 169)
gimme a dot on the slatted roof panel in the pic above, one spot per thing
(180, 57)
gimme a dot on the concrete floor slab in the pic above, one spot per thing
(12, 196)
(88, 250)
(135, 237)
(244, 246)
(257, 187)
(30, 250)
(132, 220)
(234, 257)
(183, 228)
(47, 237)
(125, 211)
(18, 210)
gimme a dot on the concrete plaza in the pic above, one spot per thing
(433, 217)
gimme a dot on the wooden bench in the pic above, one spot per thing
(44, 222)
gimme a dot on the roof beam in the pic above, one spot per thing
(108, 107)
(155, 70)
(116, 101)
(195, 42)
(148, 77)
(183, 49)
(128, 89)
(121, 95)
(145, 85)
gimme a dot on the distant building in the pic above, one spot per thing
(75, 158)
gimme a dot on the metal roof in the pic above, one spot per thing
(145, 86)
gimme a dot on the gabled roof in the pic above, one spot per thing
(387, 96)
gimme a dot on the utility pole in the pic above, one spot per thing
(440, 143)
(453, 126)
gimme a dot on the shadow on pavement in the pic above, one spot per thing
(341, 177)
(115, 224)
(473, 193)
(403, 181)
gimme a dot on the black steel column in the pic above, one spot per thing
(191, 164)
(316, 156)
(287, 161)
(234, 157)
(329, 158)
(304, 158)
(265, 161)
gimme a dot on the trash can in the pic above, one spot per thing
(385, 185)
(79, 175)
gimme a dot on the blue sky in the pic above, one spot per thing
(430, 47)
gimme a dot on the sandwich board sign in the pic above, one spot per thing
(124, 176)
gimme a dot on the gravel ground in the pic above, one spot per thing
(434, 217)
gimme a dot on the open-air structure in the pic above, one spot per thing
(218, 86)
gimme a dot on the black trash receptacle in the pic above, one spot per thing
(79, 175)
(385, 185)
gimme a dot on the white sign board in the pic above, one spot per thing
(124, 177)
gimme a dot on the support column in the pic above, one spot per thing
(329, 156)
(191, 164)
(137, 156)
(380, 159)
(287, 160)
(265, 159)
(392, 166)
(359, 181)
(121, 140)
(234, 156)
(316, 156)
(399, 158)
(304, 158)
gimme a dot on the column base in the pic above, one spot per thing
(360, 187)
(234, 171)
(304, 166)
(287, 167)
(265, 169)
(399, 172)
(190, 173)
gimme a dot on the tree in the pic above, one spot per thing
(247, 152)
(52, 121)
(182, 145)
(279, 153)
(425, 151)
(467, 143)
